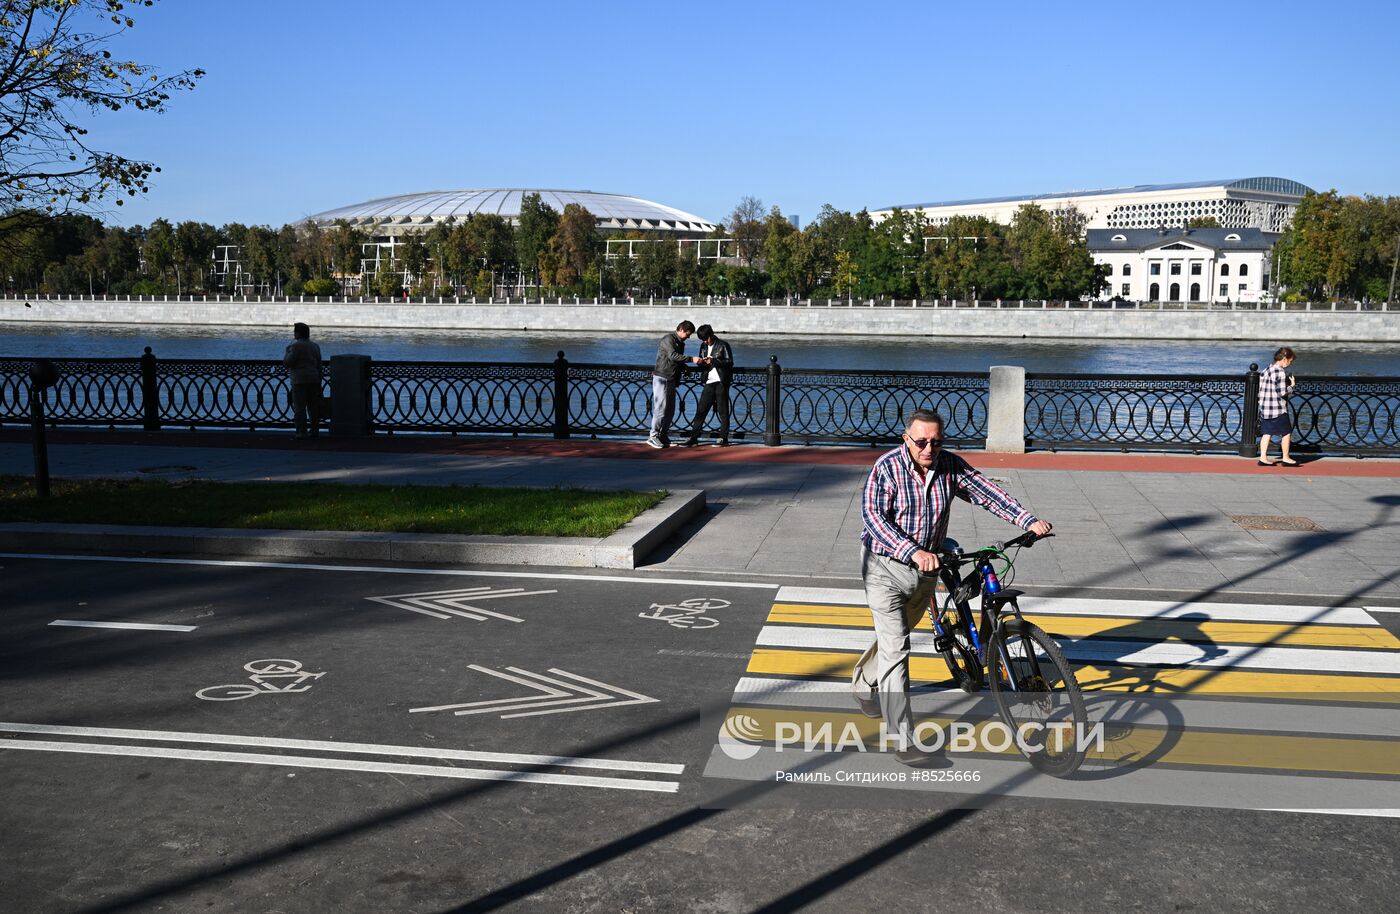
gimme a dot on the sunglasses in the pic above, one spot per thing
(922, 443)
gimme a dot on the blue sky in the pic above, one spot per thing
(313, 104)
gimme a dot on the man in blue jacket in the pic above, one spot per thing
(665, 376)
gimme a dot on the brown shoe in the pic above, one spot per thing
(870, 707)
(918, 758)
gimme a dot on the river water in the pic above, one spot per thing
(793, 351)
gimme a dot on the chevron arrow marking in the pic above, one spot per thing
(580, 692)
(444, 604)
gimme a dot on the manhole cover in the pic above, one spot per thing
(177, 468)
(1274, 522)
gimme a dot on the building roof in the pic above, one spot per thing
(1264, 184)
(612, 210)
(1103, 241)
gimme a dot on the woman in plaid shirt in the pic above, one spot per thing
(1275, 387)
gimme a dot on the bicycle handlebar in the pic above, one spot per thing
(1026, 540)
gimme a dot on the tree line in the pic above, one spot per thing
(1336, 246)
(840, 254)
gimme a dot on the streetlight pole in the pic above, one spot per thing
(1390, 296)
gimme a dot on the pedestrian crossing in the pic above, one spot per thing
(1235, 705)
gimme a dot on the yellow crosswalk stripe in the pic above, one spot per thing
(1193, 748)
(1129, 628)
(1111, 677)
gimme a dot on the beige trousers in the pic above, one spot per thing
(898, 597)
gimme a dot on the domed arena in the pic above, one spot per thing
(420, 211)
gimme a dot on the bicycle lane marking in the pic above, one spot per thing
(357, 665)
(799, 672)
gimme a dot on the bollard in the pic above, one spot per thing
(350, 402)
(561, 396)
(1249, 417)
(1006, 410)
(150, 392)
(773, 404)
(42, 376)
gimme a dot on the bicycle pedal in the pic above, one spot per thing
(943, 643)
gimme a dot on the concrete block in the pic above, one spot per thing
(646, 531)
(1006, 410)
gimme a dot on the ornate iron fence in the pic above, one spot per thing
(1199, 413)
(770, 404)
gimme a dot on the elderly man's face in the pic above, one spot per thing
(923, 440)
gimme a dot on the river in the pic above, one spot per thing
(793, 351)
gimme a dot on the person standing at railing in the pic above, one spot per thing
(717, 362)
(1275, 387)
(303, 363)
(665, 377)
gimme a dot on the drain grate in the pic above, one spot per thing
(1274, 522)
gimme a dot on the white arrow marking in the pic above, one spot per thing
(444, 604)
(553, 694)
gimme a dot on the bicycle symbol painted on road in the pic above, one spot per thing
(269, 677)
(686, 613)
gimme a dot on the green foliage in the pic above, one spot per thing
(1340, 247)
(538, 222)
(56, 65)
(320, 285)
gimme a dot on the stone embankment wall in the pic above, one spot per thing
(1265, 326)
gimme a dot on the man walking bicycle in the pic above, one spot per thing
(905, 508)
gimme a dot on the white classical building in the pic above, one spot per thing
(1262, 203)
(1184, 265)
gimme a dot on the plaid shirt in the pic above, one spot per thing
(905, 512)
(1273, 392)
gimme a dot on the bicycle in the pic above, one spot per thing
(1031, 684)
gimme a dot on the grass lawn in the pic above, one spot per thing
(325, 506)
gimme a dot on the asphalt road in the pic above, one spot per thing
(319, 738)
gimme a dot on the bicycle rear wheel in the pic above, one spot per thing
(1034, 687)
(960, 656)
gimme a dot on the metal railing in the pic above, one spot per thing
(719, 301)
(1205, 413)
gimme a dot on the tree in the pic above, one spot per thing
(657, 265)
(780, 254)
(538, 222)
(573, 245)
(54, 66)
(1196, 222)
(747, 229)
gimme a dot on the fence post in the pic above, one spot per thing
(561, 396)
(351, 413)
(1249, 418)
(1006, 410)
(150, 392)
(773, 405)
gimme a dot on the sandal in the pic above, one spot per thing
(1289, 463)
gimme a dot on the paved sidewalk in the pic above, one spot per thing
(1124, 521)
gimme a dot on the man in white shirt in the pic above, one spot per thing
(717, 361)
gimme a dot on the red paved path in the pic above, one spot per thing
(636, 450)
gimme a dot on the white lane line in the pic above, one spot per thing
(1155, 609)
(1317, 660)
(1375, 813)
(339, 764)
(317, 745)
(387, 569)
(132, 626)
(1175, 713)
(1383, 609)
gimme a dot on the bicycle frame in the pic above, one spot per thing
(993, 613)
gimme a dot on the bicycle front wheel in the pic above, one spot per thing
(1037, 696)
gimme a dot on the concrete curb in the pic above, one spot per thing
(623, 549)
